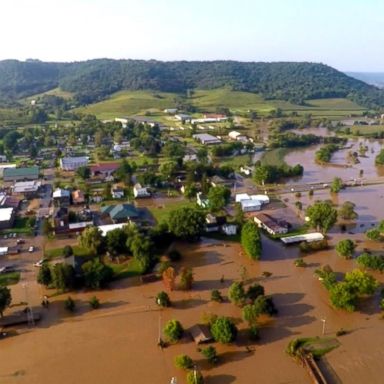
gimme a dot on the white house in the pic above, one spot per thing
(229, 229)
(122, 120)
(170, 111)
(139, 191)
(250, 205)
(73, 163)
(270, 224)
(206, 138)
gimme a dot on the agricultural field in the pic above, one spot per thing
(367, 129)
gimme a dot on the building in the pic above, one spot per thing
(7, 201)
(7, 217)
(206, 139)
(201, 333)
(139, 191)
(270, 224)
(170, 111)
(251, 203)
(191, 157)
(73, 163)
(117, 192)
(27, 189)
(104, 170)
(309, 238)
(21, 174)
(229, 229)
(183, 117)
(78, 197)
(3, 159)
(61, 220)
(122, 120)
(61, 197)
(4, 166)
(121, 213)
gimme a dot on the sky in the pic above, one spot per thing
(346, 34)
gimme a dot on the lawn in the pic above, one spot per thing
(9, 278)
(235, 161)
(126, 269)
(162, 213)
(20, 226)
(56, 253)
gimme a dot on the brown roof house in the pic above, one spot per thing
(78, 197)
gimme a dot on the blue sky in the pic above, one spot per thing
(348, 35)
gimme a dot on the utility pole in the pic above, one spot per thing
(324, 322)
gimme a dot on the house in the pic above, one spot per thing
(21, 174)
(192, 157)
(73, 163)
(251, 203)
(78, 197)
(270, 224)
(117, 192)
(170, 111)
(206, 139)
(61, 197)
(229, 229)
(7, 217)
(139, 191)
(122, 120)
(308, 237)
(121, 213)
(4, 166)
(110, 227)
(201, 333)
(27, 189)
(61, 220)
(201, 200)
(211, 224)
(183, 117)
(104, 170)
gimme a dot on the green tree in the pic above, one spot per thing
(322, 215)
(186, 278)
(69, 304)
(183, 362)
(94, 302)
(173, 331)
(210, 354)
(345, 248)
(374, 262)
(236, 293)
(84, 172)
(91, 239)
(250, 314)
(44, 276)
(223, 330)
(5, 299)
(264, 304)
(254, 291)
(162, 299)
(216, 296)
(116, 241)
(336, 185)
(186, 223)
(361, 282)
(63, 276)
(342, 296)
(47, 227)
(347, 211)
(190, 191)
(67, 251)
(218, 198)
(195, 377)
(251, 240)
(96, 274)
(374, 234)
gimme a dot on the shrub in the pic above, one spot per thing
(210, 354)
(224, 330)
(186, 279)
(313, 246)
(216, 296)
(162, 299)
(253, 333)
(94, 302)
(345, 248)
(300, 262)
(195, 377)
(173, 330)
(254, 291)
(236, 293)
(69, 304)
(183, 362)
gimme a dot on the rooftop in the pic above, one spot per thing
(20, 172)
(6, 214)
(120, 211)
(26, 186)
(59, 193)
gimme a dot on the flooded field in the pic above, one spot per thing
(339, 166)
(117, 343)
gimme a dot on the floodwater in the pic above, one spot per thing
(117, 343)
(339, 165)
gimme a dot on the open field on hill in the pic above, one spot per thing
(54, 92)
(138, 102)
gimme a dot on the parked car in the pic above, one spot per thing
(31, 248)
(39, 263)
(7, 269)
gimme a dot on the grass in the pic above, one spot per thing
(9, 278)
(274, 157)
(54, 92)
(125, 103)
(56, 253)
(162, 214)
(318, 346)
(235, 161)
(127, 269)
(20, 226)
(367, 129)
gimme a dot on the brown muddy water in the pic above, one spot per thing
(117, 343)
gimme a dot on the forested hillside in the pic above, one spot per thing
(94, 80)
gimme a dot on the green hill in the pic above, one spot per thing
(94, 80)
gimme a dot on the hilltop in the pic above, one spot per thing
(94, 80)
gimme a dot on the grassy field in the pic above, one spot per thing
(274, 157)
(127, 269)
(162, 214)
(366, 129)
(125, 103)
(9, 278)
(55, 253)
(54, 92)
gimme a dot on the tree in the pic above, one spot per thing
(142, 248)
(91, 239)
(322, 215)
(116, 241)
(374, 234)
(250, 314)
(361, 282)
(173, 330)
(216, 296)
(183, 362)
(347, 211)
(236, 293)
(47, 227)
(224, 330)
(94, 302)
(169, 278)
(264, 304)
(218, 198)
(63, 276)
(162, 299)
(186, 223)
(5, 299)
(186, 278)
(195, 377)
(96, 274)
(336, 185)
(84, 172)
(345, 248)
(210, 354)
(67, 251)
(254, 291)
(342, 296)
(374, 262)
(190, 191)
(44, 277)
(251, 240)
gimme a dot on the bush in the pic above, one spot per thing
(94, 302)
(173, 331)
(254, 291)
(174, 255)
(162, 299)
(345, 248)
(216, 296)
(300, 262)
(224, 330)
(186, 279)
(313, 246)
(183, 362)
(236, 293)
(254, 333)
(195, 377)
(69, 304)
(210, 354)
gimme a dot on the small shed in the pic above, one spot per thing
(201, 333)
